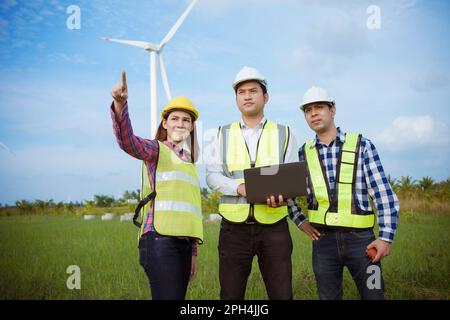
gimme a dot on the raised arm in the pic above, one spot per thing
(140, 148)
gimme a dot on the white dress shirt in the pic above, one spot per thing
(215, 178)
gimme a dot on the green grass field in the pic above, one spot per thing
(36, 251)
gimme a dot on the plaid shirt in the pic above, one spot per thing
(370, 181)
(146, 150)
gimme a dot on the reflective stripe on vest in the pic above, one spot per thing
(235, 156)
(177, 175)
(177, 205)
(345, 179)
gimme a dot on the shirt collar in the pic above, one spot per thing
(182, 153)
(258, 126)
(340, 136)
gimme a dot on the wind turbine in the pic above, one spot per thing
(155, 51)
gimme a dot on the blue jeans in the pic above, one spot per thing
(167, 263)
(336, 249)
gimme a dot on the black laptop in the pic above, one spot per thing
(288, 180)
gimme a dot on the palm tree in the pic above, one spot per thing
(40, 204)
(24, 205)
(89, 204)
(127, 195)
(406, 183)
(426, 183)
(392, 181)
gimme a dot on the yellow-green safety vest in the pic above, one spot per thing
(271, 150)
(342, 212)
(177, 205)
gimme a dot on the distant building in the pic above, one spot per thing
(215, 217)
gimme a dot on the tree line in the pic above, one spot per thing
(407, 186)
(408, 190)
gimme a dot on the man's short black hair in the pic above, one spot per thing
(328, 103)
(263, 87)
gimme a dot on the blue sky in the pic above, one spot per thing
(56, 140)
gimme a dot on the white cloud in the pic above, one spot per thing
(407, 132)
(222, 7)
(75, 58)
(23, 26)
(4, 31)
(430, 80)
(331, 45)
(7, 4)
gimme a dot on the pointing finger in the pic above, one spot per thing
(124, 79)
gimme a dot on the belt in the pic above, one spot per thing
(323, 228)
(155, 234)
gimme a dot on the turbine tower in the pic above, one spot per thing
(155, 51)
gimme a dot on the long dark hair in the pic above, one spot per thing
(161, 134)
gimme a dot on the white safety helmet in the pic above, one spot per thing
(315, 94)
(248, 73)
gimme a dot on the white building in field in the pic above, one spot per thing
(108, 216)
(127, 216)
(215, 217)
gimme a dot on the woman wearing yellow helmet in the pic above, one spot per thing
(172, 219)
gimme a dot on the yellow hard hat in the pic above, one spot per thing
(180, 102)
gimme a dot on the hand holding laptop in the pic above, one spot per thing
(271, 202)
(241, 190)
(275, 204)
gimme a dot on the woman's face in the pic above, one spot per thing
(178, 125)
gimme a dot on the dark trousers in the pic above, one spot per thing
(239, 243)
(167, 263)
(336, 249)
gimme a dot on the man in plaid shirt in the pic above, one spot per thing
(335, 247)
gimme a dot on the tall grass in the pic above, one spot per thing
(415, 202)
(36, 251)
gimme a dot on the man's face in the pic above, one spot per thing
(250, 98)
(319, 116)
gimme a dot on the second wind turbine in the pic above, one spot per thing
(155, 51)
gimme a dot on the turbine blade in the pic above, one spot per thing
(2, 145)
(134, 43)
(164, 77)
(177, 24)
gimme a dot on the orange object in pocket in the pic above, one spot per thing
(372, 253)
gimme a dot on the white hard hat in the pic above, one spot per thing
(248, 73)
(315, 94)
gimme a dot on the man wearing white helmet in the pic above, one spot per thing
(345, 176)
(252, 229)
